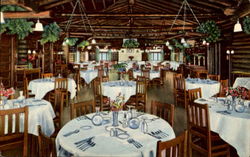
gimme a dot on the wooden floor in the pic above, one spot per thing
(161, 93)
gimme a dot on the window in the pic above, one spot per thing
(103, 56)
(155, 56)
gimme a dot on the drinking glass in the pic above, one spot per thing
(144, 125)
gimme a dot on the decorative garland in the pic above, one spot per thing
(211, 29)
(51, 33)
(131, 43)
(246, 25)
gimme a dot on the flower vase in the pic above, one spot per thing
(115, 118)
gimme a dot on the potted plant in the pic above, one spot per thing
(83, 44)
(70, 41)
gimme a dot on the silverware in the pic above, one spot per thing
(84, 140)
(135, 143)
(72, 132)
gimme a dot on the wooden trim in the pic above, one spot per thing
(14, 15)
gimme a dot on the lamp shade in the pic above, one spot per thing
(183, 40)
(39, 26)
(167, 43)
(1, 18)
(237, 27)
(93, 41)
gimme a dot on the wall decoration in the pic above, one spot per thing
(131, 43)
(211, 29)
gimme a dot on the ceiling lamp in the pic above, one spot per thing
(183, 41)
(167, 43)
(237, 27)
(39, 26)
(1, 18)
(93, 41)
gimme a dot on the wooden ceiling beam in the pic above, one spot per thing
(28, 15)
(104, 4)
(205, 15)
(222, 2)
(93, 3)
(56, 4)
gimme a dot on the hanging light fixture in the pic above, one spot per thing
(93, 41)
(39, 26)
(237, 27)
(167, 43)
(1, 16)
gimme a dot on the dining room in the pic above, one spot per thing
(124, 78)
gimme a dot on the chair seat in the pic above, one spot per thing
(12, 143)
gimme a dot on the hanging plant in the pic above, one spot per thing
(2, 28)
(131, 43)
(70, 41)
(83, 44)
(10, 8)
(246, 25)
(21, 27)
(51, 33)
(211, 29)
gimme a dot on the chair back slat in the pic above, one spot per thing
(146, 73)
(82, 108)
(2, 126)
(194, 94)
(163, 110)
(10, 123)
(61, 84)
(176, 147)
(17, 126)
(47, 75)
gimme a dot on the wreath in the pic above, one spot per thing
(211, 29)
(246, 25)
(131, 43)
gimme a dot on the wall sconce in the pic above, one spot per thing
(229, 52)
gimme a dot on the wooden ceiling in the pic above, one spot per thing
(143, 19)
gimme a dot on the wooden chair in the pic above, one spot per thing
(223, 86)
(180, 93)
(202, 74)
(27, 93)
(176, 147)
(178, 75)
(57, 101)
(32, 74)
(163, 110)
(201, 138)
(156, 68)
(100, 73)
(13, 139)
(158, 80)
(46, 144)
(60, 69)
(194, 94)
(139, 100)
(214, 77)
(99, 99)
(47, 75)
(82, 108)
(62, 85)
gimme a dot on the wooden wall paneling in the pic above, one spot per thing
(241, 56)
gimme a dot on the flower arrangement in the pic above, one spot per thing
(6, 92)
(238, 92)
(118, 103)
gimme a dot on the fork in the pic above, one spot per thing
(90, 144)
(138, 143)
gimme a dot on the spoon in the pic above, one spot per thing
(72, 132)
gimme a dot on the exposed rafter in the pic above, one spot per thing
(28, 15)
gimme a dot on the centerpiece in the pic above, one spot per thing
(116, 106)
(5, 93)
(238, 95)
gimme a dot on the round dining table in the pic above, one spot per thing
(88, 75)
(80, 129)
(208, 87)
(112, 89)
(40, 113)
(233, 127)
(40, 87)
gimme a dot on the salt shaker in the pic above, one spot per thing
(125, 122)
(144, 126)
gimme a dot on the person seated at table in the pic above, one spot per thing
(71, 72)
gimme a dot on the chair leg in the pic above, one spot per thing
(189, 145)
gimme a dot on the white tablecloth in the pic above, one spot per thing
(208, 87)
(40, 113)
(173, 64)
(232, 128)
(152, 75)
(88, 75)
(112, 146)
(243, 82)
(113, 88)
(40, 87)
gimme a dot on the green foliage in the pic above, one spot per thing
(21, 27)
(131, 43)
(51, 33)
(179, 45)
(2, 28)
(83, 44)
(211, 29)
(120, 66)
(246, 25)
(70, 41)
(11, 8)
